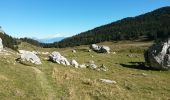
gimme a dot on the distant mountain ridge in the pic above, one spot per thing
(153, 25)
(51, 40)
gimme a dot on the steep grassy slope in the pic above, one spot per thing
(52, 81)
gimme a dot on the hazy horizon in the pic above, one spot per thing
(61, 18)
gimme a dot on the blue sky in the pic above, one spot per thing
(58, 18)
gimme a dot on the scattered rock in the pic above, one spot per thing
(102, 68)
(45, 53)
(1, 45)
(105, 49)
(158, 56)
(114, 52)
(83, 66)
(92, 66)
(74, 63)
(130, 55)
(141, 74)
(100, 49)
(91, 62)
(95, 47)
(74, 51)
(89, 50)
(56, 57)
(27, 56)
(108, 81)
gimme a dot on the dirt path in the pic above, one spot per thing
(46, 88)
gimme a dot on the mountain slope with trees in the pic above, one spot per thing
(153, 25)
(9, 41)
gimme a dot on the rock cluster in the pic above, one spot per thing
(158, 56)
(100, 49)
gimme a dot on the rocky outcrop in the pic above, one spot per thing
(100, 49)
(1, 45)
(27, 56)
(158, 56)
(58, 58)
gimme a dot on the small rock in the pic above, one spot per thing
(92, 66)
(91, 62)
(83, 66)
(143, 74)
(130, 55)
(102, 68)
(45, 53)
(114, 52)
(74, 63)
(74, 51)
(108, 81)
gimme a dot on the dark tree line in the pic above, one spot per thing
(9, 41)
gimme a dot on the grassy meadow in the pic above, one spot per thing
(51, 81)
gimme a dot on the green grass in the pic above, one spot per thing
(51, 81)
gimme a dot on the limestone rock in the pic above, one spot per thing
(158, 56)
(92, 66)
(74, 51)
(100, 49)
(108, 81)
(95, 47)
(102, 68)
(58, 58)
(74, 63)
(83, 66)
(27, 56)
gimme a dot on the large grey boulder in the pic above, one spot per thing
(100, 49)
(1, 45)
(158, 56)
(27, 56)
(58, 58)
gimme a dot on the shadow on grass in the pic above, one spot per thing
(137, 65)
